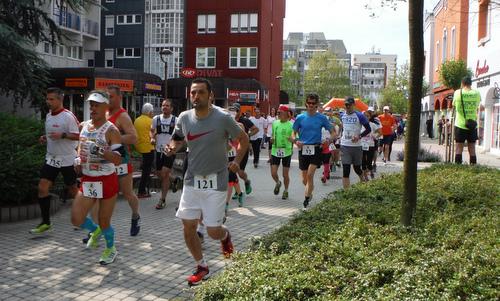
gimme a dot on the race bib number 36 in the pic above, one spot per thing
(92, 190)
(54, 161)
(205, 183)
(308, 150)
(280, 152)
(122, 169)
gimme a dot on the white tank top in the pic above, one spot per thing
(93, 163)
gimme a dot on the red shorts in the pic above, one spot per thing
(110, 186)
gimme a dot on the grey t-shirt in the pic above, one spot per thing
(207, 142)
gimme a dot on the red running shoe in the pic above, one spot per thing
(198, 276)
(227, 246)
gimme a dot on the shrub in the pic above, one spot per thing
(424, 155)
(21, 156)
(351, 246)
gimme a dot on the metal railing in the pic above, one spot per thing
(91, 27)
(68, 20)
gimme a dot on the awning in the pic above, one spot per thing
(338, 103)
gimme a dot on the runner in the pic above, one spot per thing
(161, 132)
(282, 149)
(120, 118)
(350, 143)
(368, 144)
(250, 129)
(308, 126)
(100, 151)
(256, 139)
(269, 131)
(61, 137)
(206, 129)
(389, 125)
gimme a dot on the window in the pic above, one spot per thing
(75, 52)
(128, 19)
(484, 22)
(110, 1)
(453, 42)
(436, 60)
(445, 45)
(128, 52)
(206, 24)
(244, 58)
(108, 58)
(90, 63)
(54, 49)
(61, 50)
(205, 57)
(243, 23)
(46, 47)
(110, 25)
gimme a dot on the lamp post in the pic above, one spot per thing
(164, 53)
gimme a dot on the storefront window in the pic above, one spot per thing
(480, 125)
(496, 127)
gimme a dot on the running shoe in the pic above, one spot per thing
(277, 188)
(175, 184)
(108, 256)
(235, 196)
(323, 179)
(200, 236)
(161, 204)
(86, 239)
(241, 199)
(201, 273)
(227, 246)
(135, 226)
(285, 195)
(306, 202)
(255, 165)
(248, 187)
(41, 229)
(93, 240)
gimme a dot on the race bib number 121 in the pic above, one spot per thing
(205, 183)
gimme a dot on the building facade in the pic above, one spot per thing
(232, 42)
(428, 99)
(371, 72)
(484, 61)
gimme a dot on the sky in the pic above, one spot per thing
(350, 21)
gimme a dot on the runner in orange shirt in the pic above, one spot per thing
(389, 125)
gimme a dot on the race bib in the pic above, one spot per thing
(365, 145)
(232, 152)
(54, 161)
(308, 150)
(332, 147)
(122, 169)
(280, 152)
(348, 135)
(92, 190)
(205, 182)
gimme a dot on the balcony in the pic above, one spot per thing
(91, 28)
(68, 20)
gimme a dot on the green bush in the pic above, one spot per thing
(424, 155)
(351, 246)
(21, 158)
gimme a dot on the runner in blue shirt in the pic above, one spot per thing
(307, 127)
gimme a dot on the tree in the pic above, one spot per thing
(327, 77)
(395, 94)
(290, 80)
(24, 24)
(452, 72)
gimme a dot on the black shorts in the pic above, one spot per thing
(244, 161)
(164, 161)
(387, 139)
(50, 173)
(316, 159)
(462, 135)
(286, 161)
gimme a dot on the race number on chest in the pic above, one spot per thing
(205, 182)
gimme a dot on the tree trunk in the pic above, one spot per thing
(415, 19)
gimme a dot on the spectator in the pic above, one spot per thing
(143, 125)
(429, 124)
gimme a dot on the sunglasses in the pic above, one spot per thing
(311, 103)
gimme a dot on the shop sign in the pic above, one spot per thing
(76, 82)
(152, 87)
(237, 95)
(481, 70)
(192, 73)
(483, 83)
(124, 84)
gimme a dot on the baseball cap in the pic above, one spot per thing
(387, 108)
(98, 97)
(349, 101)
(371, 109)
(283, 108)
(235, 107)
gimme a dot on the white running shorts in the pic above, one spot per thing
(210, 203)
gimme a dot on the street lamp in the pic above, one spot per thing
(164, 53)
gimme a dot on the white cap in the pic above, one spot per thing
(371, 109)
(387, 108)
(98, 97)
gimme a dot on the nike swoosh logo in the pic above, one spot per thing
(193, 137)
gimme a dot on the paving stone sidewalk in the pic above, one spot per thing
(151, 266)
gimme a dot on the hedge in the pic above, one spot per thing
(351, 246)
(21, 158)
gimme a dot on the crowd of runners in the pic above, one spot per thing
(218, 142)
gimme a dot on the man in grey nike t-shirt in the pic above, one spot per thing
(206, 129)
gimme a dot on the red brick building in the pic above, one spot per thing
(238, 45)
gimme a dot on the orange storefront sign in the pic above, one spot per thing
(124, 84)
(75, 82)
